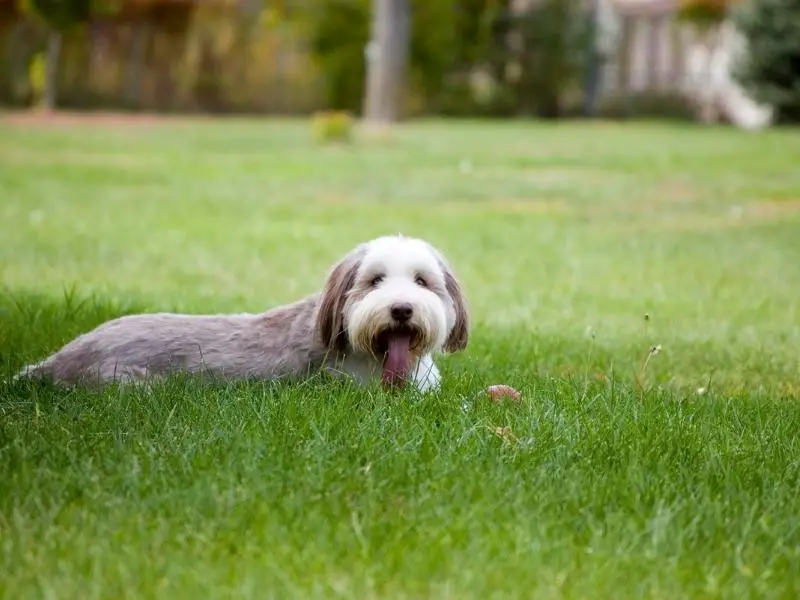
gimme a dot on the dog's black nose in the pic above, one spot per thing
(402, 311)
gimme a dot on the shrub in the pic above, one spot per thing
(703, 12)
(444, 35)
(332, 126)
(770, 70)
(670, 106)
(339, 31)
(451, 40)
(554, 36)
(532, 58)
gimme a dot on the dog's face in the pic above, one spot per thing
(396, 298)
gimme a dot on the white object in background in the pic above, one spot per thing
(710, 82)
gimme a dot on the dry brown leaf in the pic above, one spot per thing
(500, 391)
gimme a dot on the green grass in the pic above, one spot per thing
(610, 481)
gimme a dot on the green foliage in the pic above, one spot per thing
(57, 14)
(339, 31)
(770, 71)
(446, 36)
(704, 13)
(64, 15)
(434, 44)
(646, 105)
(554, 38)
(533, 58)
(449, 40)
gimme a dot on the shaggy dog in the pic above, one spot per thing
(385, 308)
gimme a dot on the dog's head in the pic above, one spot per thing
(396, 298)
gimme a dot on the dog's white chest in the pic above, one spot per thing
(366, 370)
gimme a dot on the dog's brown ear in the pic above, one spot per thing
(330, 314)
(459, 334)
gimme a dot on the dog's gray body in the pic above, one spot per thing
(279, 343)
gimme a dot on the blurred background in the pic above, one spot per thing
(500, 58)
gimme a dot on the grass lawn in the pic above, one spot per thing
(681, 479)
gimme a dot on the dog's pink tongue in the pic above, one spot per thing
(397, 363)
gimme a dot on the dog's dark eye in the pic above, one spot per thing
(421, 282)
(376, 280)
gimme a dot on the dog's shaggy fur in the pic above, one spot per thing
(385, 308)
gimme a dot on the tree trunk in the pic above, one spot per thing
(16, 58)
(593, 64)
(387, 55)
(136, 60)
(50, 92)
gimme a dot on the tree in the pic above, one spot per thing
(60, 17)
(770, 70)
(551, 37)
(339, 30)
(704, 13)
(387, 58)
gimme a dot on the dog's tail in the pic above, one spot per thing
(34, 371)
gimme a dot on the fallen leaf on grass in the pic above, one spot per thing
(498, 392)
